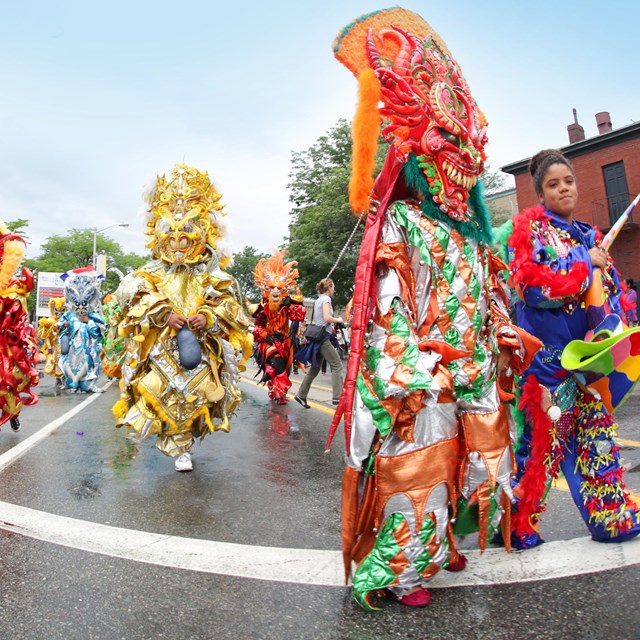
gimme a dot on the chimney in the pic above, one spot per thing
(603, 120)
(575, 131)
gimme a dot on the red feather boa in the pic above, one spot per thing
(532, 485)
(527, 273)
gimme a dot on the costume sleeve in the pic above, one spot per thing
(230, 321)
(296, 311)
(260, 327)
(143, 306)
(543, 275)
(522, 345)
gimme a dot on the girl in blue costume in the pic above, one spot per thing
(552, 261)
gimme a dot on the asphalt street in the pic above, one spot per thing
(101, 538)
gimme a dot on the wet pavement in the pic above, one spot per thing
(267, 484)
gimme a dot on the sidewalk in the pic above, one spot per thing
(319, 393)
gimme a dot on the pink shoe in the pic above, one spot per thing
(457, 566)
(418, 598)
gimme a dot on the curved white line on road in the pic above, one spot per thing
(307, 566)
(298, 566)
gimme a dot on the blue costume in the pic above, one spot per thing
(81, 329)
(552, 270)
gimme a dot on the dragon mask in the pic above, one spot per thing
(426, 103)
(275, 277)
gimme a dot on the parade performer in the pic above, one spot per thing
(48, 335)
(427, 433)
(112, 352)
(567, 427)
(276, 321)
(80, 330)
(185, 332)
(18, 346)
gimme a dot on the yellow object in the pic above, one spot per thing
(159, 396)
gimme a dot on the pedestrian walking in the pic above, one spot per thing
(323, 347)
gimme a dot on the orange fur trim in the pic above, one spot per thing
(365, 132)
(349, 47)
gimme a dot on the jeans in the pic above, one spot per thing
(329, 353)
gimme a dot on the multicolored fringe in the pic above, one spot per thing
(609, 509)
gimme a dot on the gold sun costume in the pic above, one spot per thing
(181, 384)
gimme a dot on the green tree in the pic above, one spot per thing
(19, 227)
(321, 218)
(244, 262)
(494, 181)
(75, 249)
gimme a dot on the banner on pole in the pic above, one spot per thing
(49, 286)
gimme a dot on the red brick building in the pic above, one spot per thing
(607, 169)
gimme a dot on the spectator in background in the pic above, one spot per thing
(629, 302)
(325, 348)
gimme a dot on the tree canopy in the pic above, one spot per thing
(19, 227)
(321, 218)
(59, 253)
(244, 262)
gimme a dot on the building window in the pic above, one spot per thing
(615, 183)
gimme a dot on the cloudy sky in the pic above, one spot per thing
(98, 97)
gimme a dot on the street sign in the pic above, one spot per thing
(49, 286)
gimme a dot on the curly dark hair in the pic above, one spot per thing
(540, 163)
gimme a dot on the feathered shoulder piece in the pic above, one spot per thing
(533, 227)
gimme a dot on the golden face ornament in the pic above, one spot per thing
(183, 225)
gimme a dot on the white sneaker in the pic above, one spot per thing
(183, 463)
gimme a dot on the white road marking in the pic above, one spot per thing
(298, 566)
(9, 457)
(307, 566)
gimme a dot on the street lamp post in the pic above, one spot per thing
(95, 238)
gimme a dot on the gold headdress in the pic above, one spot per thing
(184, 219)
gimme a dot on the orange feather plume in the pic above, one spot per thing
(365, 132)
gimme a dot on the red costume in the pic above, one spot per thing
(18, 346)
(276, 319)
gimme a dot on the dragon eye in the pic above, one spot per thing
(449, 137)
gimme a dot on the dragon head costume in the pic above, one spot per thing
(410, 83)
(275, 277)
(430, 117)
(82, 290)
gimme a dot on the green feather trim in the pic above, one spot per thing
(479, 227)
(501, 237)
